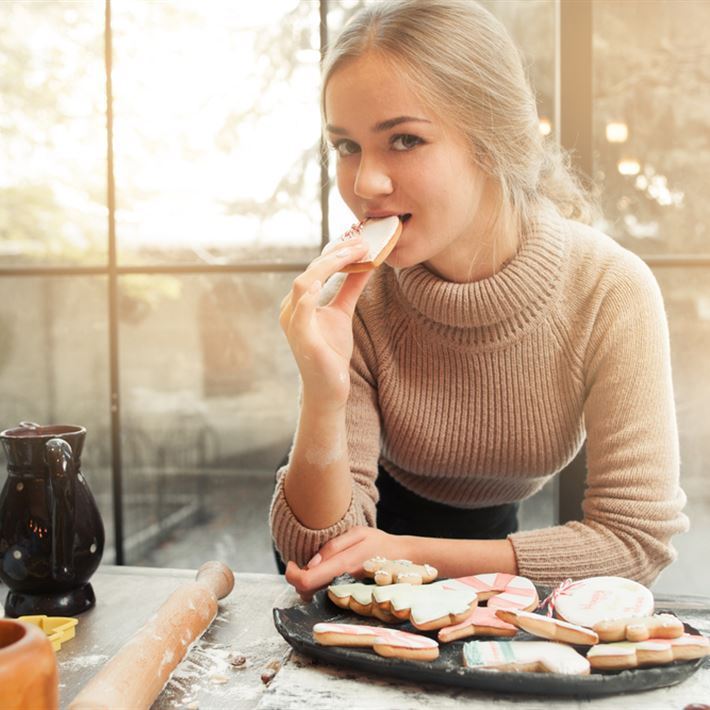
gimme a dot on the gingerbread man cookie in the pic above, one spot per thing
(641, 628)
(530, 656)
(548, 628)
(653, 652)
(385, 642)
(385, 571)
(502, 591)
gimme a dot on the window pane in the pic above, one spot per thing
(651, 137)
(54, 368)
(209, 395)
(687, 298)
(52, 134)
(216, 130)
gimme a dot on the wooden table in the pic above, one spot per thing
(127, 596)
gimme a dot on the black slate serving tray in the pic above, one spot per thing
(296, 623)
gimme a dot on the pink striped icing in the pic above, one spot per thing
(380, 636)
(480, 616)
(513, 592)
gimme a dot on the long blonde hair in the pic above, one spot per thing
(465, 66)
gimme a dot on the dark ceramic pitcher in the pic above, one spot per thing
(51, 532)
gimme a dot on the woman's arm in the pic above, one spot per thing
(633, 501)
(316, 488)
(452, 558)
(318, 484)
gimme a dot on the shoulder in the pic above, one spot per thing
(603, 269)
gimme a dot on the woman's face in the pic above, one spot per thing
(397, 157)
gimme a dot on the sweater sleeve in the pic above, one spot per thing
(293, 540)
(633, 501)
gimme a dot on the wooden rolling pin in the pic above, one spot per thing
(134, 677)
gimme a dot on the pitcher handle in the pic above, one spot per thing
(60, 486)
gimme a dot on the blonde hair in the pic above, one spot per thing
(466, 67)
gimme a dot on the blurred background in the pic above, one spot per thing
(151, 224)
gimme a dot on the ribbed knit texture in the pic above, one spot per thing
(477, 394)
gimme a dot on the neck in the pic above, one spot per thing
(495, 241)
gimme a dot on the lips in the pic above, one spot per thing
(403, 217)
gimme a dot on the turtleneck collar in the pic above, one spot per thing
(520, 290)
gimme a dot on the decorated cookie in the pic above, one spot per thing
(385, 642)
(548, 628)
(358, 598)
(529, 656)
(425, 606)
(589, 601)
(393, 571)
(640, 628)
(502, 591)
(482, 621)
(653, 652)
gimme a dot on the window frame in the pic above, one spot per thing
(573, 122)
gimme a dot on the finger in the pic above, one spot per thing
(324, 266)
(342, 542)
(285, 312)
(347, 239)
(294, 576)
(302, 313)
(347, 296)
(310, 580)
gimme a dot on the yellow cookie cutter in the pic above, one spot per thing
(59, 629)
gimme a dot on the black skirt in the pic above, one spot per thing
(402, 512)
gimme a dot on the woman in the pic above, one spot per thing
(456, 380)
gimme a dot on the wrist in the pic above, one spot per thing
(318, 405)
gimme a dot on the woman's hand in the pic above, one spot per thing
(321, 337)
(344, 554)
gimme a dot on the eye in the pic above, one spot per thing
(345, 147)
(405, 141)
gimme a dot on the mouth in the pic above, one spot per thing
(404, 218)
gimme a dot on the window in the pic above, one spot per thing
(145, 305)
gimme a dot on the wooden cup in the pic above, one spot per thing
(28, 668)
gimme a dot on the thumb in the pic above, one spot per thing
(350, 291)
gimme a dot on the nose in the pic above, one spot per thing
(372, 179)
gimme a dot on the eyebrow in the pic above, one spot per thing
(382, 125)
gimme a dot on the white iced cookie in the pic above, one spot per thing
(380, 235)
(358, 598)
(525, 656)
(385, 642)
(640, 628)
(589, 601)
(548, 628)
(426, 606)
(653, 652)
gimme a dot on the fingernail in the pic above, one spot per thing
(315, 561)
(343, 253)
(315, 287)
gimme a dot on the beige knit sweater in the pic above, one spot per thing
(478, 394)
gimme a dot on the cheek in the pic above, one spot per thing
(345, 180)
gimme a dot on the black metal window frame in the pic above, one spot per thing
(573, 91)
